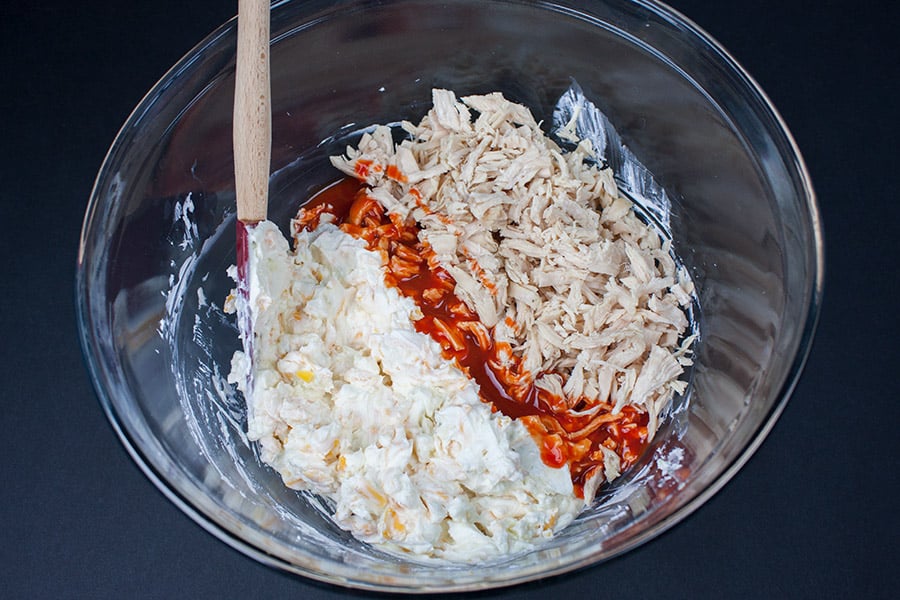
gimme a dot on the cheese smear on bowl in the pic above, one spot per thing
(351, 402)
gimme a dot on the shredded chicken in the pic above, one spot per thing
(542, 247)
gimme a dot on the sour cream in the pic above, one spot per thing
(349, 401)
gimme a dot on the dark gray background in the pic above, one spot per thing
(812, 515)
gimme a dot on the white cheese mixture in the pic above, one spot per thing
(350, 402)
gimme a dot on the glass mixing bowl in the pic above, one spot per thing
(159, 234)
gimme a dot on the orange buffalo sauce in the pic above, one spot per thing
(563, 436)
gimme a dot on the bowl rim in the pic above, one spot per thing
(815, 292)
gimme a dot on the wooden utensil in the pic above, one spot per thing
(252, 140)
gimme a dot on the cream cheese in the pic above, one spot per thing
(349, 401)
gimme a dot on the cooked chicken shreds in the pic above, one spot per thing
(541, 247)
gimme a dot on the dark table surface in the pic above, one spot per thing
(814, 512)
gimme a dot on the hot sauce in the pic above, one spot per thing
(563, 437)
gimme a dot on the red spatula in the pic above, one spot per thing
(252, 141)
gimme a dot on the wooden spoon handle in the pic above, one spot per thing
(252, 135)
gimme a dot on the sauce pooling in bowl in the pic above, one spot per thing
(564, 436)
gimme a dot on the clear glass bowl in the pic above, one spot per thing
(158, 236)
